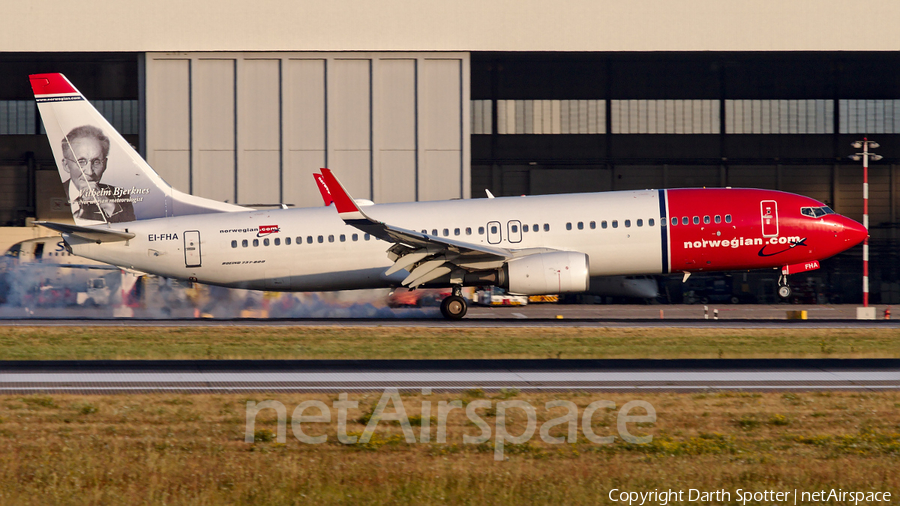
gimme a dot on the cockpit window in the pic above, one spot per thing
(815, 212)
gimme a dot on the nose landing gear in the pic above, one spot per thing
(455, 306)
(784, 290)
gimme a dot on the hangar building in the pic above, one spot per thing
(409, 100)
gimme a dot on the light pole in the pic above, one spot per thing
(865, 144)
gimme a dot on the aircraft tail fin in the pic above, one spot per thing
(105, 179)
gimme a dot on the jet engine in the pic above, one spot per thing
(547, 273)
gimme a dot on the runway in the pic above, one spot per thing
(222, 376)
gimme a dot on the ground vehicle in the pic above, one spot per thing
(496, 296)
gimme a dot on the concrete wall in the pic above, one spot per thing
(462, 25)
(252, 128)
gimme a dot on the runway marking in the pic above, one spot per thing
(520, 316)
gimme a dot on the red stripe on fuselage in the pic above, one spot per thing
(741, 244)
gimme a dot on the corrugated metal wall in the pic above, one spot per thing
(252, 128)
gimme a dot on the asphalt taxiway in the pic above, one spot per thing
(223, 376)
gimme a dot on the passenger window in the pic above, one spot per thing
(568, 226)
(718, 219)
(321, 239)
(580, 225)
(468, 230)
(615, 223)
(480, 230)
(234, 244)
(727, 218)
(330, 238)
(343, 238)
(493, 229)
(366, 237)
(706, 220)
(524, 228)
(696, 220)
(603, 224)
(685, 220)
(593, 225)
(244, 243)
(535, 227)
(446, 232)
(515, 229)
(434, 231)
(455, 231)
(277, 242)
(354, 237)
(309, 239)
(674, 221)
(287, 241)
(546, 227)
(650, 222)
(627, 223)
(640, 223)
(266, 241)
(255, 242)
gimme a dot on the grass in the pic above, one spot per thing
(69, 343)
(190, 449)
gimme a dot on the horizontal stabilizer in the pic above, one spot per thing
(91, 234)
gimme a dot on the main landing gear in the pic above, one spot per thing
(455, 306)
(784, 290)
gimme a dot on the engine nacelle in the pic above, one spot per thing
(547, 273)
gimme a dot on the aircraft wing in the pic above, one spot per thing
(91, 234)
(426, 256)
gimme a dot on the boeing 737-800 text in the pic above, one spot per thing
(529, 245)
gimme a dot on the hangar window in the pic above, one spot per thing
(615, 223)
(255, 242)
(664, 116)
(244, 243)
(266, 241)
(343, 238)
(706, 220)
(869, 116)
(603, 224)
(640, 222)
(696, 220)
(727, 218)
(320, 239)
(593, 225)
(234, 244)
(542, 117)
(627, 223)
(354, 237)
(287, 241)
(780, 116)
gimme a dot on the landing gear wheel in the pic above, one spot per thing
(784, 291)
(454, 307)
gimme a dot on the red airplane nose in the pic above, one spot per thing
(854, 233)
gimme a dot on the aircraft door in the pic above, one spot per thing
(38, 251)
(192, 248)
(514, 231)
(494, 233)
(769, 218)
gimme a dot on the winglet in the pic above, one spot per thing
(323, 189)
(346, 207)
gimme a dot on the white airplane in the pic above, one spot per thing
(528, 245)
